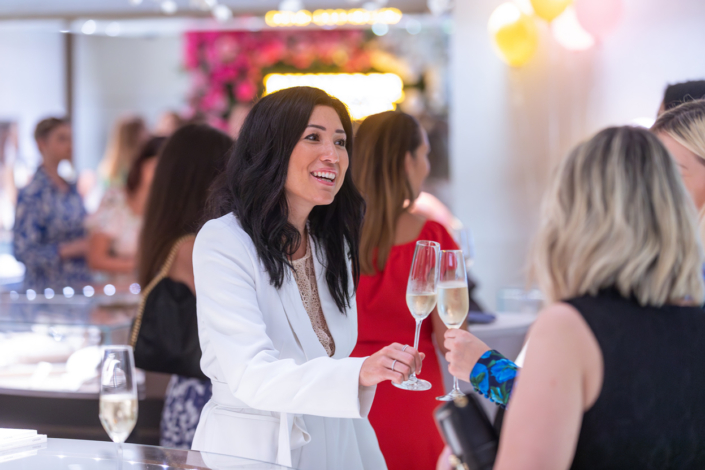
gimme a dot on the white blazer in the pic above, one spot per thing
(277, 396)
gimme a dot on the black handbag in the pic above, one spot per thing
(165, 331)
(468, 432)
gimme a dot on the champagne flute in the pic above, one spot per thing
(118, 394)
(421, 297)
(453, 300)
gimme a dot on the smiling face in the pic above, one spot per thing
(318, 163)
(691, 166)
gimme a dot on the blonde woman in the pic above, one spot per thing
(125, 143)
(613, 378)
(682, 131)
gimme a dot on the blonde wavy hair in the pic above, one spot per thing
(686, 125)
(125, 142)
(617, 215)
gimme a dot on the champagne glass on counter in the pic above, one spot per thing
(118, 393)
(453, 300)
(421, 297)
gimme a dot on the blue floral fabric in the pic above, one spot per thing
(46, 217)
(184, 401)
(493, 376)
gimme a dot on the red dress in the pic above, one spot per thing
(403, 420)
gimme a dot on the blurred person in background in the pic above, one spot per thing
(187, 166)
(168, 123)
(680, 93)
(390, 166)
(8, 189)
(237, 118)
(682, 131)
(114, 228)
(49, 234)
(124, 145)
(599, 388)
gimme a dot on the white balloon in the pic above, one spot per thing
(568, 32)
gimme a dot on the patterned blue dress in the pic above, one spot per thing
(46, 217)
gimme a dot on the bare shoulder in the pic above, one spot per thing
(561, 329)
(559, 318)
(561, 326)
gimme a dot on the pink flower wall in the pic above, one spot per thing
(227, 67)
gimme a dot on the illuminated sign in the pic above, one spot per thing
(339, 17)
(364, 94)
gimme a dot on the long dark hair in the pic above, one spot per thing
(252, 188)
(188, 164)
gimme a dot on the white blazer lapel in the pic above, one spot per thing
(343, 327)
(299, 319)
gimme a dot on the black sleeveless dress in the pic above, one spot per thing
(650, 413)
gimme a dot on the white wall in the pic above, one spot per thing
(509, 127)
(115, 77)
(31, 81)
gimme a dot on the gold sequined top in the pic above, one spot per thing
(305, 275)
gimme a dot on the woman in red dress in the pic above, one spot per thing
(389, 167)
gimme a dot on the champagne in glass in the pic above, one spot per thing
(420, 305)
(421, 297)
(453, 303)
(118, 393)
(118, 415)
(453, 300)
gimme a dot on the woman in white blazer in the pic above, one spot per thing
(275, 275)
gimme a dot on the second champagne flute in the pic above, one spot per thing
(421, 297)
(453, 300)
(118, 394)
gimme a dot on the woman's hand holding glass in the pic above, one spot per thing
(395, 362)
(464, 350)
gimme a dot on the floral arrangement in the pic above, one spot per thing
(227, 67)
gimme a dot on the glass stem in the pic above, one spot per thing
(456, 388)
(412, 377)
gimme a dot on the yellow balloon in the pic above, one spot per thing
(550, 9)
(514, 33)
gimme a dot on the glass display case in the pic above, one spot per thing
(50, 341)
